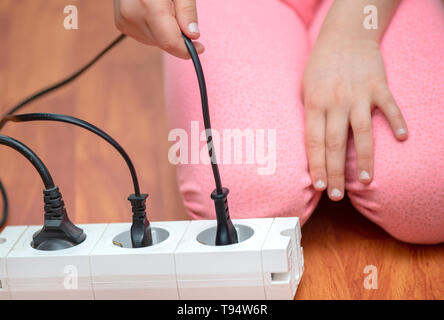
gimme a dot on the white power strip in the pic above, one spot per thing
(183, 263)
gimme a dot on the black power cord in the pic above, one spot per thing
(205, 110)
(5, 204)
(226, 232)
(58, 231)
(44, 92)
(62, 82)
(85, 125)
(141, 235)
(32, 157)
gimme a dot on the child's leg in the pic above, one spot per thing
(255, 53)
(406, 197)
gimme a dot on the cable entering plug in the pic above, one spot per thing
(226, 232)
(140, 229)
(58, 231)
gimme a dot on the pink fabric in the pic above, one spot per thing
(256, 50)
(305, 8)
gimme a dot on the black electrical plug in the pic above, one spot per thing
(42, 93)
(226, 232)
(141, 235)
(58, 231)
(140, 230)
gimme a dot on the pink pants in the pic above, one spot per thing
(254, 59)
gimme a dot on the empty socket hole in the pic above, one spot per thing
(123, 240)
(2, 240)
(287, 233)
(280, 277)
(208, 236)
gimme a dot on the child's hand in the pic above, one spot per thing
(159, 23)
(343, 80)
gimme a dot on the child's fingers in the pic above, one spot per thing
(361, 123)
(336, 144)
(186, 14)
(130, 20)
(387, 104)
(315, 147)
(199, 47)
(153, 22)
(168, 36)
(164, 28)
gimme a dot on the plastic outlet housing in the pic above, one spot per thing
(8, 239)
(52, 275)
(183, 263)
(245, 270)
(137, 273)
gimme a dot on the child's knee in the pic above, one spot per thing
(414, 223)
(412, 212)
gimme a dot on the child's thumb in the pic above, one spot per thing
(186, 14)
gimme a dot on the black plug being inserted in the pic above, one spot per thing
(58, 231)
(141, 235)
(140, 230)
(226, 233)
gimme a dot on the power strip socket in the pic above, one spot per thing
(182, 263)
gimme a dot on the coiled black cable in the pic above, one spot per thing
(44, 92)
(83, 124)
(62, 82)
(62, 118)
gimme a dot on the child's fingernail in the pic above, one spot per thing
(319, 184)
(193, 27)
(364, 175)
(336, 193)
(402, 132)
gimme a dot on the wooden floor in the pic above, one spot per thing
(123, 95)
